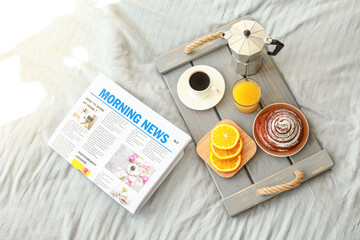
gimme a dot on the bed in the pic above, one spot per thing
(44, 73)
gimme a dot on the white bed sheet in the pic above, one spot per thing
(42, 197)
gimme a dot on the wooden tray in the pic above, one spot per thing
(238, 193)
(248, 151)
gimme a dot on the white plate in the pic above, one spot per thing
(201, 103)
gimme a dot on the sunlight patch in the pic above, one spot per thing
(17, 98)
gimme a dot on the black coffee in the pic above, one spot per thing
(199, 81)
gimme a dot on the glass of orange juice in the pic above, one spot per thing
(246, 93)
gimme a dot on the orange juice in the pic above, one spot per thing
(246, 94)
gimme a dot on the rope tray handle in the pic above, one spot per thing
(299, 176)
(200, 41)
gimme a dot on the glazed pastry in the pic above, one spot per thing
(279, 129)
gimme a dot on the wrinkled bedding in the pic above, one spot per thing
(43, 197)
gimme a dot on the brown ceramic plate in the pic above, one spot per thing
(298, 147)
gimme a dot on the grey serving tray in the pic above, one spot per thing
(238, 193)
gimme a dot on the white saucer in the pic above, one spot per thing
(201, 103)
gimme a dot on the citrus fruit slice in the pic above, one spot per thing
(227, 165)
(224, 136)
(227, 153)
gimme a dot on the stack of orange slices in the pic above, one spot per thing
(226, 146)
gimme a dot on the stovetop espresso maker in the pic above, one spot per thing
(246, 40)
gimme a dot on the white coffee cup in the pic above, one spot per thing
(200, 84)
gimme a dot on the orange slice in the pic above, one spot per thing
(224, 136)
(227, 153)
(227, 165)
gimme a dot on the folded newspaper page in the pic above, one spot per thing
(119, 143)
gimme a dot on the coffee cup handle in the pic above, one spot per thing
(213, 88)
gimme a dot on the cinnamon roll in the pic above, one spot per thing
(279, 129)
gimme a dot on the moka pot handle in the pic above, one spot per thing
(278, 46)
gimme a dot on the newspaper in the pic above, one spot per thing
(118, 143)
